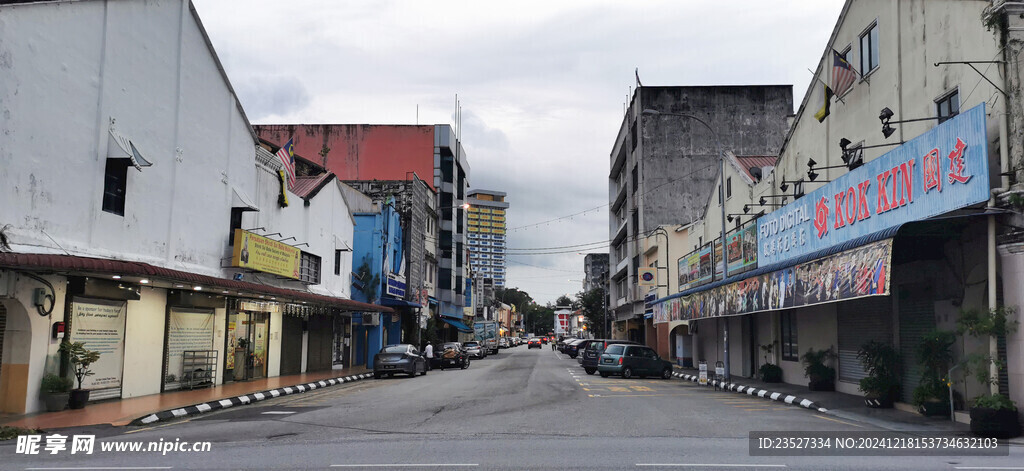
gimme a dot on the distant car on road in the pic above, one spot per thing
(533, 343)
(633, 360)
(474, 349)
(592, 355)
(503, 342)
(544, 340)
(400, 358)
(451, 355)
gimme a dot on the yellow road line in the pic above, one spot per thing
(639, 395)
(837, 420)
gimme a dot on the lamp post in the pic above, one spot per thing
(721, 198)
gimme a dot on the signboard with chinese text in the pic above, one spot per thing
(266, 255)
(942, 170)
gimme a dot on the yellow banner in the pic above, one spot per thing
(266, 255)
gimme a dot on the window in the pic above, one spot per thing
(337, 262)
(236, 223)
(728, 188)
(869, 50)
(632, 135)
(718, 191)
(309, 270)
(636, 221)
(115, 182)
(787, 323)
(614, 349)
(948, 106)
(636, 178)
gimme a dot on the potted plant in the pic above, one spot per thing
(935, 355)
(81, 359)
(822, 376)
(55, 390)
(769, 372)
(993, 414)
(882, 385)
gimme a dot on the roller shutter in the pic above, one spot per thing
(917, 318)
(860, 321)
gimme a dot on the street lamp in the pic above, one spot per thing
(721, 197)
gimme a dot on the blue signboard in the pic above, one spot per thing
(937, 172)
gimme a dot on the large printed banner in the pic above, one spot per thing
(855, 273)
(942, 170)
(695, 269)
(266, 255)
(99, 324)
(188, 330)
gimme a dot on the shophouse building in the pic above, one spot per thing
(665, 166)
(143, 218)
(877, 226)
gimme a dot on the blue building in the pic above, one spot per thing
(378, 266)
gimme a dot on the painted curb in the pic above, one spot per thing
(750, 391)
(244, 399)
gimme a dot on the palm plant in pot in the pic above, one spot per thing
(882, 385)
(993, 414)
(81, 359)
(821, 376)
(55, 390)
(935, 355)
(769, 372)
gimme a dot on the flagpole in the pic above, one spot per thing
(825, 84)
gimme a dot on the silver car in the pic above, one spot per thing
(401, 358)
(474, 350)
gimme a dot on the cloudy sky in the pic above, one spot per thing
(542, 84)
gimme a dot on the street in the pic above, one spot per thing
(521, 409)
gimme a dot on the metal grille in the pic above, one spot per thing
(917, 318)
(861, 321)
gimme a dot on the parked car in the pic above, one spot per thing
(573, 349)
(592, 355)
(474, 349)
(533, 343)
(451, 354)
(503, 342)
(564, 344)
(400, 358)
(633, 360)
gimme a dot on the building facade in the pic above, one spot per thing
(664, 167)
(487, 235)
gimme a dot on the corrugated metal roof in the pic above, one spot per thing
(308, 187)
(72, 264)
(759, 161)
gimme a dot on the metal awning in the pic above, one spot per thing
(120, 147)
(458, 325)
(241, 200)
(386, 301)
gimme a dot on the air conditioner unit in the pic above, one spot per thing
(371, 318)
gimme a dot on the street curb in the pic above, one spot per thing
(244, 399)
(750, 391)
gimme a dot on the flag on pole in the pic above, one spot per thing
(826, 103)
(842, 74)
(287, 156)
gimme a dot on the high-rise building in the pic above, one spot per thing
(487, 227)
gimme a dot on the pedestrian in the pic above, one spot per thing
(429, 352)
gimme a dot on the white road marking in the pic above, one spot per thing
(404, 465)
(277, 412)
(703, 465)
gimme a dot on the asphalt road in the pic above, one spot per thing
(521, 409)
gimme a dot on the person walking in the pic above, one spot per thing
(429, 353)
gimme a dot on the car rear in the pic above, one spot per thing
(394, 359)
(592, 354)
(611, 360)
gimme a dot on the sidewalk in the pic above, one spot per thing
(124, 411)
(849, 406)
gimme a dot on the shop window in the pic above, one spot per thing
(787, 323)
(309, 269)
(115, 183)
(869, 50)
(948, 106)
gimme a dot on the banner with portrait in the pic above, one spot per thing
(856, 273)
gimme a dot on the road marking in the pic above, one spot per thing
(640, 395)
(109, 467)
(277, 412)
(847, 423)
(719, 465)
(586, 389)
(988, 467)
(404, 465)
(158, 426)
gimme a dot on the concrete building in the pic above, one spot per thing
(393, 153)
(135, 196)
(894, 241)
(665, 167)
(487, 234)
(595, 271)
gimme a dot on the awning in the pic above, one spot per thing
(240, 200)
(120, 147)
(70, 264)
(458, 325)
(386, 301)
(432, 299)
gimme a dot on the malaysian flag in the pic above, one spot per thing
(843, 74)
(287, 156)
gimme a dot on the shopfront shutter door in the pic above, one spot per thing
(291, 345)
(917, 318)
(860, 321)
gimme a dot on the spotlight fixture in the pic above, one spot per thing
(885, 115)
(784, 186)
(812, 175)
(811, 163)
(746, 208)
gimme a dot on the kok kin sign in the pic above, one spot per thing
(937, 172)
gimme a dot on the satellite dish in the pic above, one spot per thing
(756, 173)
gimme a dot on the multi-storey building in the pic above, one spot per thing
(595, 271)
(665, 167)
(395, 152)
(487, 232)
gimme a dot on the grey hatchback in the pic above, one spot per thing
(633, 360)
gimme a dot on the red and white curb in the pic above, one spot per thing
(245, 399)
(751, 391)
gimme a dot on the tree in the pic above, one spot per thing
(539, 319)
(513, 296)
(592, 304)
(563, 300)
